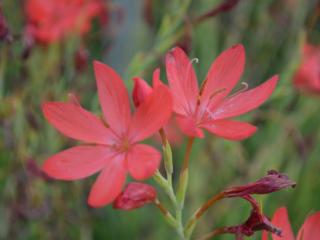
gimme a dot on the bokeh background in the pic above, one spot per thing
(134, 40)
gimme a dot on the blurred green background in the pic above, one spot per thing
(134, 42)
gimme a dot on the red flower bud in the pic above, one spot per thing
(4, 30)
(135, 195)
(35, 171)
(273, 182)
(255, 222)
(140, 91)
(81, 59)
(141, 88)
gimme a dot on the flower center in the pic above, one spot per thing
(121, 145)
(124, 145)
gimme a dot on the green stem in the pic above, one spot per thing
(166, 185)
(176, 222)
(167, 215)
(3, 61)
(184, 174)
(167, 155)
(186, 159)
(183, 184)
(191, 223)
(214, 233)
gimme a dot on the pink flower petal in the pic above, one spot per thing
(310, 230)
(188, 126)
(77, 162)
(246, 101)
(173, 132)
(113, 97)
(182, 80)
(224, 74)
(77, 123)
(143, 161)
(109, 183)
(230, 129)
(280, 219)
(151, 115)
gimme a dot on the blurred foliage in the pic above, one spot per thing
(134, 41)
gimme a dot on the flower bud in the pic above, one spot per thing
(182, 188)
(140, 91)
(274, 181)
(4, 30)
(35, 171)
(167, 156)
(81, 59)
(135, 195)
(256, 221)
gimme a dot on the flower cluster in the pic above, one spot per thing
(111, 145)
(52, 20)
(117, 150)
(210, 107)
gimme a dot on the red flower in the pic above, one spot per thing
(52, 20)
(5, 34)
(135, 195)
(116, 150)
(310, 230)
(307, 76)
(210, 107)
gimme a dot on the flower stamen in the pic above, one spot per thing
(243, 88)
(203, 84)
(217, 92)
(212, 95)
(196, 60)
